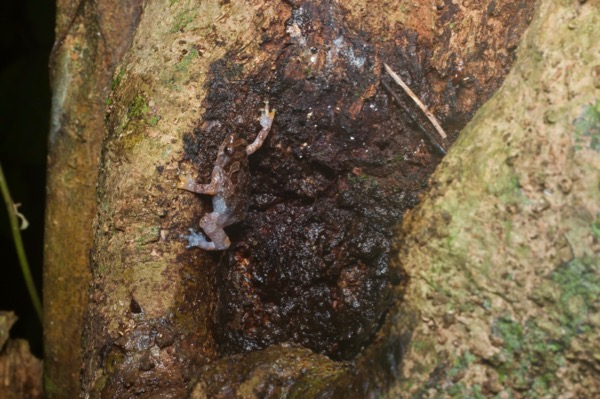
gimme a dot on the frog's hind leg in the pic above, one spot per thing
(197, 240)
(212, 226)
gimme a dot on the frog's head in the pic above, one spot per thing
(233, 146)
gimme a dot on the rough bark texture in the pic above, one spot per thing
(91, 39)
(504, 252)
(20, 371)
(162, 318)
(509, 225)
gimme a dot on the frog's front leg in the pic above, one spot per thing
(266, 120)
(187, 182)
(213, 227)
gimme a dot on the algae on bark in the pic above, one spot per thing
(503, 252)
(91, 38)
(510, 223)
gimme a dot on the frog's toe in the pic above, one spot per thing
(195, 239)
(266, 116)
(185, 181)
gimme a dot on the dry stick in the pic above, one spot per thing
(432, 139)
(412, 95)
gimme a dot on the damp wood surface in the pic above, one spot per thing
(310, 264)
(309, 278)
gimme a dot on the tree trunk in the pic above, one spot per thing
(90, 41)
(504, 250)
(492, 284)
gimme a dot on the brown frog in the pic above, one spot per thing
(229, 185)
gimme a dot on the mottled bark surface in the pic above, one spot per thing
(493, 288)
(20, 371)
(91, 38)
(504, 251)
(310, 265)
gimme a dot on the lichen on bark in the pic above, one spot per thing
(504, 228)
(503, 252)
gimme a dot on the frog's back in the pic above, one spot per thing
(232, 198)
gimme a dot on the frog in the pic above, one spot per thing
(229, 185)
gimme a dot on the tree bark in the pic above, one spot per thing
(504, 250)
(501, 254)
(20, 371)
(90, 41)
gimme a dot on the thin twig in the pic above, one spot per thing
(429, 136)
(14, 224)
(412, 95)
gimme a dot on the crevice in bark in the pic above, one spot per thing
(309, 265)
(307, 280)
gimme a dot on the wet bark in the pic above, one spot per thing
(312, 299)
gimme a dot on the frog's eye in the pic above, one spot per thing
(228, 149)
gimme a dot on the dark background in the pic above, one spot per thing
(26, 38)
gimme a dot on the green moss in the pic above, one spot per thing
(579, 287)
(138, 107)
(117, 79)
(181, 74)
(530, 356)
(587, 127)
(510, 190)
(426, 346)
(182, 20)
(508, 226)
(103, 268)
(356, 179)
(132, 140)
(511, 333)
(534, 351)
(148, 235)
(399, 158)
(153, 121)
(113, 361)
(314, 382)
(137, 111)
(184, 64)
(596, 226)
(461, 364)
(454, 373)
(283, 372)
(462, 391)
